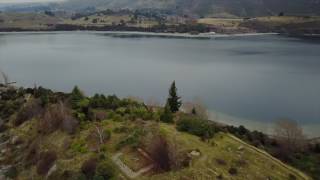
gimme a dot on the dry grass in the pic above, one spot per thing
(222, 22)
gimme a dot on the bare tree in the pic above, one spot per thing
(196, 106)
(290, 135)
(153, 102)
(5, 78)
(98, 136)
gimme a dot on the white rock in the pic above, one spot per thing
(195, 153)
(52, 170)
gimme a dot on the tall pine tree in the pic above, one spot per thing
(173, 99)
(76, 97)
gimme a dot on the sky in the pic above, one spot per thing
(26, 1)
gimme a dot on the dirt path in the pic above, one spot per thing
(128, 171)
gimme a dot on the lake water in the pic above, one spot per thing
(257, 79)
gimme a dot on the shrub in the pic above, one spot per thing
(117, 117)
(221, 162)
(121, 129)
(75, 97)
(106, 170)
(11, 173)
(98, 136)
(195, 126)
(220, 176)
(69, 124)
(89, 167)
(133, 139)
(233, 171)
(30, 110)
(32, 154)
(79, 146)
(57, 116)
(160, 154)
(98, 115)
(45, 162)
(165, 154)
(166, 116)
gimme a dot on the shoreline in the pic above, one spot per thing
(145, 34)
(310, 130)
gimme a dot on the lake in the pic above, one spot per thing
(250, 80)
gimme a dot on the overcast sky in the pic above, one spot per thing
(27, 1)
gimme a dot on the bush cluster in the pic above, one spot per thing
(193, 125)
(57, 116)
(46, 160)
(28, 111)
(89, 167)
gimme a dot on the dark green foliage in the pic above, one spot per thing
(308, 162)
(76, 97)
(10, 102)
(193, 111)
(133, 139)
(11, 173)
(167, 115)
(101, 101)
(44, 100)
(255, 138)
(173, 99)
(89, 167)
(202, 128)
(106, 170)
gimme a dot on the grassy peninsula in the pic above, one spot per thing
(57, 135)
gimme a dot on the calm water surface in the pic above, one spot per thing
(257, 79)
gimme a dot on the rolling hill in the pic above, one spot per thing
(242, 8)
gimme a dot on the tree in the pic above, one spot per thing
(196, 107)
(193, 111)
(76, 97)
(290, 135)
(166, 116)
(174, 100)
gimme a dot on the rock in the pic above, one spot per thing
(195, 153)
(52, 170)
(240, 148)
(3, 151)
(14, 140)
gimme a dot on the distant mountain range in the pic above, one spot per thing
(242, 8)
